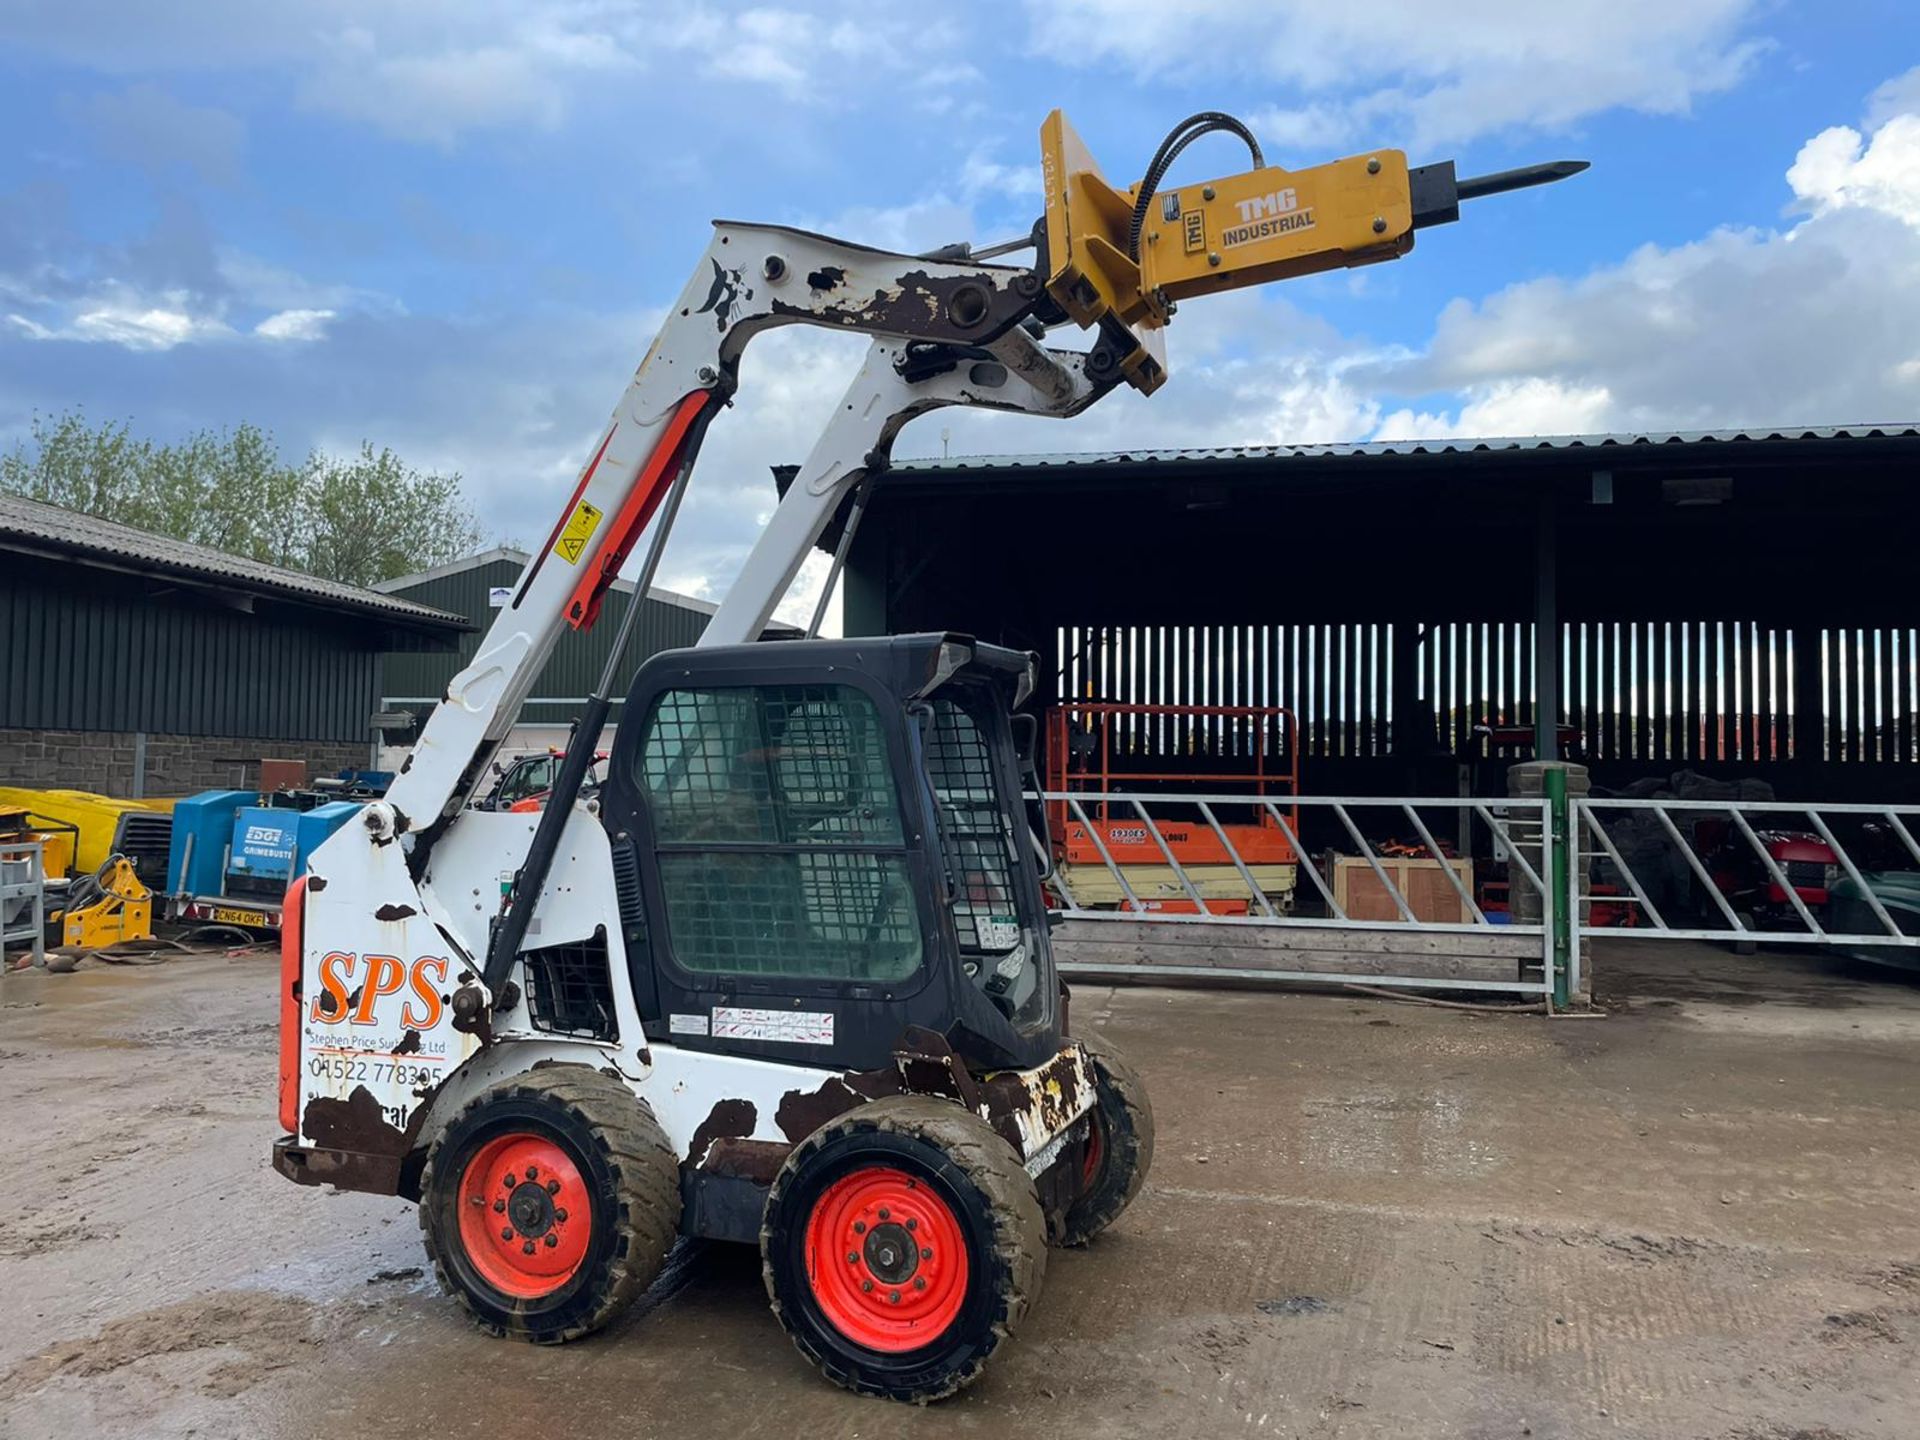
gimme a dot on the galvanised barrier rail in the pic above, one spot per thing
(1236, 901)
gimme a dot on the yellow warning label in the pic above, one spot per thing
(572, 543)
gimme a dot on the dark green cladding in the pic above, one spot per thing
(577, 660)
(86, 648)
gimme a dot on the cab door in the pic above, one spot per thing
(783, 874)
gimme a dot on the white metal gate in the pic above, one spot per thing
(1234, 907)
(1747, 872)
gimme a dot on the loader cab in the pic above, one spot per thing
(821, 843)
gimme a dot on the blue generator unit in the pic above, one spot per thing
(233, 856)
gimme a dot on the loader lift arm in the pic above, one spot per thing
(947, 331)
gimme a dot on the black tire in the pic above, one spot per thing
(1122, 1118)
(989, 1202)
(625, 1170)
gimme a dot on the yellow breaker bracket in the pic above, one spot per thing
(1263, 224)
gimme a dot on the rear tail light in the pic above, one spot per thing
(293, 917)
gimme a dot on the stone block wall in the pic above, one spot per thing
(107, 760)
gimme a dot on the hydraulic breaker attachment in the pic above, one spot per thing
(1121, 260)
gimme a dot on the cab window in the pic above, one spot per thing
(779, 844)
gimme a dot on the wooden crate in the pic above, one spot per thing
(1421, 883)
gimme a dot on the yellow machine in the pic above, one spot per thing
(107, 907)
(1122, 260)
(84, 829)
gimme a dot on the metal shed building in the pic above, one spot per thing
(135, 664)
(475, 586)
(1731, 602)
(1720, 627)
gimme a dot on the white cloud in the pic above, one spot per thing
(294, 325)
(1898, 96)
(1439, 74)
(436, 71)
(1817, 323)
(116, 315)
(1526, 406)
(1839, 170)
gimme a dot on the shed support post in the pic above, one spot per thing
(1565, 903)
(1546, 634)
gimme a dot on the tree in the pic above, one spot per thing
(371, 518)
(360, 519)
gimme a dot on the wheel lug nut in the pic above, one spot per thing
(552, 1239)
(561, 1216)
(853, 1257)
(885, 1213)
(553, 1187)
(893, 1298)
(912, 1224)
(499, 1207)
(926, 1252)
(866, 1287)
(859, 1227)
(920, 1282)
(533, 1172)
(527, 1249)
(507, 1181)
(506, 1232)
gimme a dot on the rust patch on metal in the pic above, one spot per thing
(342, 1169)
(355, 1123)
(353, 1145)
(316, 883)
(328, 1005)
(1058, 1084)
(394, 912)
(929, 1066)
(827, 277)
(755, 1160)
(733, 1118)
(967, 308)
(409, 1044)
(801, 1112)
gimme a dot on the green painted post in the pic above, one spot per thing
(1563, 900)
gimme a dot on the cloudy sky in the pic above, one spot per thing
(449, 226)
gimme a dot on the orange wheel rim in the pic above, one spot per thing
(525, 1215)
(886, 1259)
(1094, 1153)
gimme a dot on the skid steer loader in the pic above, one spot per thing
(785, 979)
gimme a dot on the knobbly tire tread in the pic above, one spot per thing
(1128, 1115)
(645, 1173)
(993, 1167)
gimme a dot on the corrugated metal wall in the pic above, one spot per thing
(1695, 691)
(84, 649)
(577, 660)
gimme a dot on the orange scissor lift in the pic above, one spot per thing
(1098, 748)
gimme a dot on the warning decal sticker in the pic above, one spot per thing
(795, 1027)
(580, 526)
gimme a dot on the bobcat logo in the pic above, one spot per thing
(726, 297)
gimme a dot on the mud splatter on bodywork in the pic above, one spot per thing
(731, 1118)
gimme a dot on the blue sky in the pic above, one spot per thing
(450, 227)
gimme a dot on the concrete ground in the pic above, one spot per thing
(1698, 1216)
